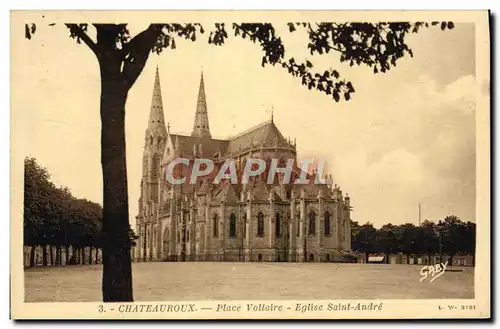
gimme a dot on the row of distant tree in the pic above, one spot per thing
(450, 236)
(55, 219)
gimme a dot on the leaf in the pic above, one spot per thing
(27, 33)
(443, 25)
(335, 74)
(451, 25)
(309, 64)
(291, 27)
(349, 86)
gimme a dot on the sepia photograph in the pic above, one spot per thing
(246, 164)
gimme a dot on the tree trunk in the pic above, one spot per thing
(58, 255)
(117, 269)
(97, 255)
(450, 259)
(44, 255)
(407, 259)
(82, 256)
(90, 255)
(32, 256)
(52, 259)
(66, 254)
(366, 257)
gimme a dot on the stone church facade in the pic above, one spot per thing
(233, 222)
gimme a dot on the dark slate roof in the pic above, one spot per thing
(266, 134)
(210, 147)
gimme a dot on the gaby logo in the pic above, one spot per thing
(434, 271)
(183, 170)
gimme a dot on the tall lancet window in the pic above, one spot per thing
(278, 225)
(312, 223)
(232, 226)
(297, 222)
(260, 225)
(215, 226)
(327, 223)
(155, 167)
(244, 223)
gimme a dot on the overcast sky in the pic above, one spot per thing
(406, 137)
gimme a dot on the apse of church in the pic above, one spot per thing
(232, 222)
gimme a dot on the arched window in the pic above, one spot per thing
(244, 224)
(260, 224)
(155, 167)
(327, 223)
(298, 223)
(232, 226)
(278, 225)
(341, 230)
(312, 223)
(216, 226)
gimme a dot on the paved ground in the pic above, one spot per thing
(264, 281)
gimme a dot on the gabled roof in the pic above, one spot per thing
(265, 134)
(209, 147)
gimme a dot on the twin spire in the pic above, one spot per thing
(201, 127)
(156, 124)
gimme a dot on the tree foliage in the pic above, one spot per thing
(450, 236)
(54, 217)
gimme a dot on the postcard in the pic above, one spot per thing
(250, 165)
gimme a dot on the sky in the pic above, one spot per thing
(406, 138)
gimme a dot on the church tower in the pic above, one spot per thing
(201, 127)
(155, 138)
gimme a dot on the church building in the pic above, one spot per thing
(255, 221)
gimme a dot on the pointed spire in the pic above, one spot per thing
(272, 114)
(156, 124)
(201, 127)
